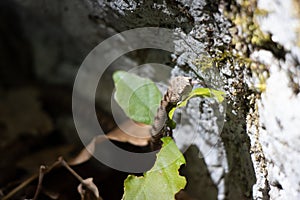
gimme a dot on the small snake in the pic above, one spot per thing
(178, 90)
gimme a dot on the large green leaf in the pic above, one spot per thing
(138, 97)
(161, 182)
(202, 92)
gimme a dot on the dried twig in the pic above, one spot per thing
(20, 187)
(29, 180)
(82, 181)
(42, 172)
(39, 186)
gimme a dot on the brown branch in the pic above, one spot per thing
(28, 181)
(81, 180)
(20, 187)
(39, 186)
(42, 172)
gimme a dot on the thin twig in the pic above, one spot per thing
(39, 186)
(81, 180)
(29, 180)
(67, 166)
(20, 187)
(43, 171)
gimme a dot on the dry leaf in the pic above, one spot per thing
(87, 152)
(137, 134)
(134, 133)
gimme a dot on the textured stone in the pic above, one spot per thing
(277, 132)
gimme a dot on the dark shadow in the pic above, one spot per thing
(15, 49)
(199, 183)
(241, 176)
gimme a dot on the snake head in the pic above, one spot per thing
(180, 88)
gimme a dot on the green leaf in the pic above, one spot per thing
(138, 97)
(202, 92)
(163, 180)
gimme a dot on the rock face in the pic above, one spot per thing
(277, 132)
(248, 147)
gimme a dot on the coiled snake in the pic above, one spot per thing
(178, 90)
